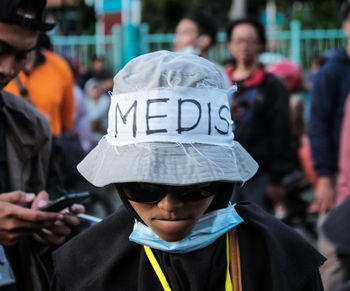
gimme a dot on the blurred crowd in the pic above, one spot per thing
(294, 122)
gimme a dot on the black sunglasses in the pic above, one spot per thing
(153, 193)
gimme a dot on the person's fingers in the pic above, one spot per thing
(70, 219)
(60, 228)
(48, 237)
(325, 206)
(36, 215)
(77, 208)
(17, 197)
(21, 226)
(41, 199)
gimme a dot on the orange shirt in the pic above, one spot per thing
(50, 87)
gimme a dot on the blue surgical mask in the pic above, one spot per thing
(208, 228)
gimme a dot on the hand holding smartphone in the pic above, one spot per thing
(65, 201)
(68, 200)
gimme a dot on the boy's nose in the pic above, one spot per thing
(170, 202)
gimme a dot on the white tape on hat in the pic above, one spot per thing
(181, 114)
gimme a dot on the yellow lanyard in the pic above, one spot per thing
(164, 282)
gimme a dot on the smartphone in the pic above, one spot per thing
(65, 201)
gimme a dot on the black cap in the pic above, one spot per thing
(9, 14)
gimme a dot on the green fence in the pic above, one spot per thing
(297, 44)
(83, 47)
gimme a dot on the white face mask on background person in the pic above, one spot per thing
(190, 50)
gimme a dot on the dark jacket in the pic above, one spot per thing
(28, 147)
(329, 91)
(28, 144)
(273, 257)
(262, 126)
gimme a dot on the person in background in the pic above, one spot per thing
(82, 123)
(330, 89)
(317, 61)
(27, 235)
(175, 171)
(260, 111)
(47, 82)
(97, 71)
(336, 228)
(55, 100)
(343, 183)
(196, 34)
(291, 75)
(97, 107)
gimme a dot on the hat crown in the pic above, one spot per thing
(164, 69)
(169, 123)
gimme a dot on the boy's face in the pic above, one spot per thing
(171, 219)
(16, 43)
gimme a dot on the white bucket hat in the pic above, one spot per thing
(169, 123)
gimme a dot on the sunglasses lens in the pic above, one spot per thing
(198, 192)
(151, 193)
(143, 192)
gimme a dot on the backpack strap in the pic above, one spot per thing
(22, 89)
(235, 260)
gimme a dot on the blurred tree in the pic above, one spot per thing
(163, 15)
(75, 18)
(312, 13)
(86, 18)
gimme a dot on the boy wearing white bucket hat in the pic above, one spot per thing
(170, 151)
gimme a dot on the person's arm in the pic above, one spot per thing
(322, 112)
(343, 186)
(67, 110)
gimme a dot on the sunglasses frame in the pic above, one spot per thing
(201, 191)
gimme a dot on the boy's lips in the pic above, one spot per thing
(173, 225)
(171, 219)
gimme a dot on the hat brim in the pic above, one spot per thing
(166, 163)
